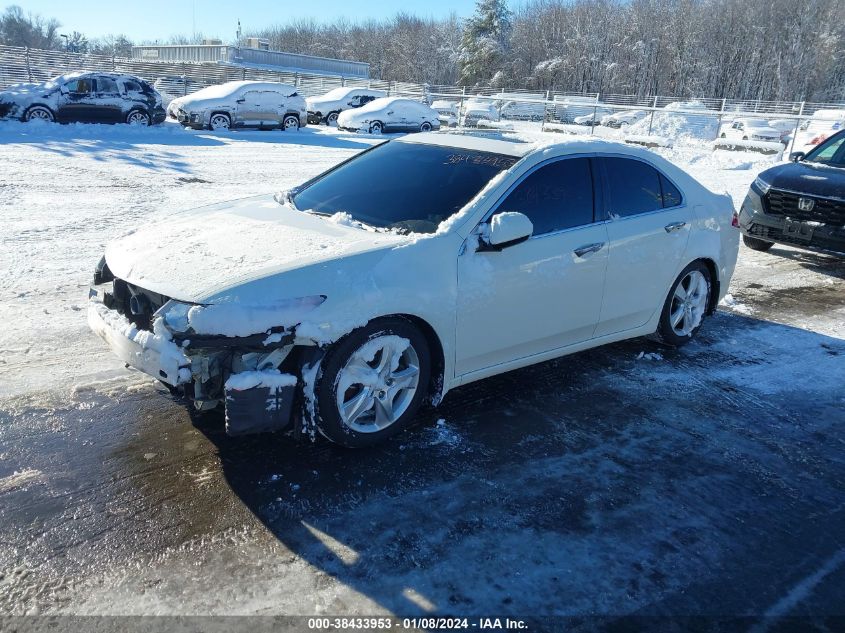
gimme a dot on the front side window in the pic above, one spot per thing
(831, 152)
(555, 197)
(633, 187)
(409, 187)
(81, 86)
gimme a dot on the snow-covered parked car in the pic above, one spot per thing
(593, 118)
(477, 109)
(390, 114)
(821, 125)
(241, 104)
(750, 130)
(786, 128)
(522, 111)
(172, 87)
(85, 98)
(447, 112)
(326, 108)
(421, 264)
(621, 119)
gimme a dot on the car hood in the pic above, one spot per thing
(23, 91)
(804, 177)
(198, 254)
(320, 103)
(198, 103)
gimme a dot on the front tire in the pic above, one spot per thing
(331, 119)
(290, 122)
(425, 127)
(756, 244)
(372, 383)
(685, 307)
(219, 121)
(39, 113)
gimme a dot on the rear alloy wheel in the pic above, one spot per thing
(376, 127)
(39, 113)
(220, 122)
(685, 306)
(755, 244)
(372, 383)
(425, 127)
(331, 119)
(290, 122)
(138, 117)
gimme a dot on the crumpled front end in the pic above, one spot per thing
(254, 376)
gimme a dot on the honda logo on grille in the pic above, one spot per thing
(806, 204)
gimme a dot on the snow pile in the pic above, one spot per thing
(269, 378)
(730, 302)
(649, 356)
(686, 126)
(237, 319)
(762, 147)
(648, 140)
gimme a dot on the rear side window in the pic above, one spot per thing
(633, 187)
(671, 195)
(555, 197)
(132, 86)
(106, 84)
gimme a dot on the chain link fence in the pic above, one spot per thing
(648, 119)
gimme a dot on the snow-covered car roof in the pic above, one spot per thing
(231, 87)
(383, 102)
(443, 103)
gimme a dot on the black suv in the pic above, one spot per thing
(85, 98)
(801, 203)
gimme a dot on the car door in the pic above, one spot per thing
(248, 111)
(271, 107)
(544, 293)
(78, 101)
(108, 103)
(649, 227)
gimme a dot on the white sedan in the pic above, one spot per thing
(390, 114)
(621, 119)
(751, 130)
(422, 264)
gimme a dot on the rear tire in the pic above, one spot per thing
(756, 244)
(372, 382)
(139, 117)
(376, 127)
(331, 119)
(685, 306)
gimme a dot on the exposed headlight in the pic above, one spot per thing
(175, 315)
(762, 185)
(195, 116)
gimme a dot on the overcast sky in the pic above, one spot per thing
(159, 19)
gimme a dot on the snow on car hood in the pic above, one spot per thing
(197, 254)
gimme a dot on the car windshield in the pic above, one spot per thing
(410, 187)
(831, 152)
(756, 123)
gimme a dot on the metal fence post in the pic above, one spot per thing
(797, 125)
(28, 68)
(461, 107)
(595, 114)
(721, 115)
(651, 119)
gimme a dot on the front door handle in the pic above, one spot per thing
(589, 248)
(674, 226)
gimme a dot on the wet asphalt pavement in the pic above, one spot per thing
(703, 481)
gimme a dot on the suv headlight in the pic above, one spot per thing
(762, 185)
(175, 315)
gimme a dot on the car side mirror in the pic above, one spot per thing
(796, 157)
(507, 228)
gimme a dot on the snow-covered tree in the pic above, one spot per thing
(484, 44)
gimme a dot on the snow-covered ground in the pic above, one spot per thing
(626, 479)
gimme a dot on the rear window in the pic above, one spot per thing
(410, 187)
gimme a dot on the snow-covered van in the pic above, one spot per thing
(326, 108)
(84, 98)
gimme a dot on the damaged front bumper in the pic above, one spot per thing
(255, 377)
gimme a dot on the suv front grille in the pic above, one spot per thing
(825, 210)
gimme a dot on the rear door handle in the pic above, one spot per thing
(674, 226)
(589, 248)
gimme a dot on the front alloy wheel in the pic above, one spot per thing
(219, 122)
(290, 122)
(686, 305)
(372, 383)
(39, 113)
